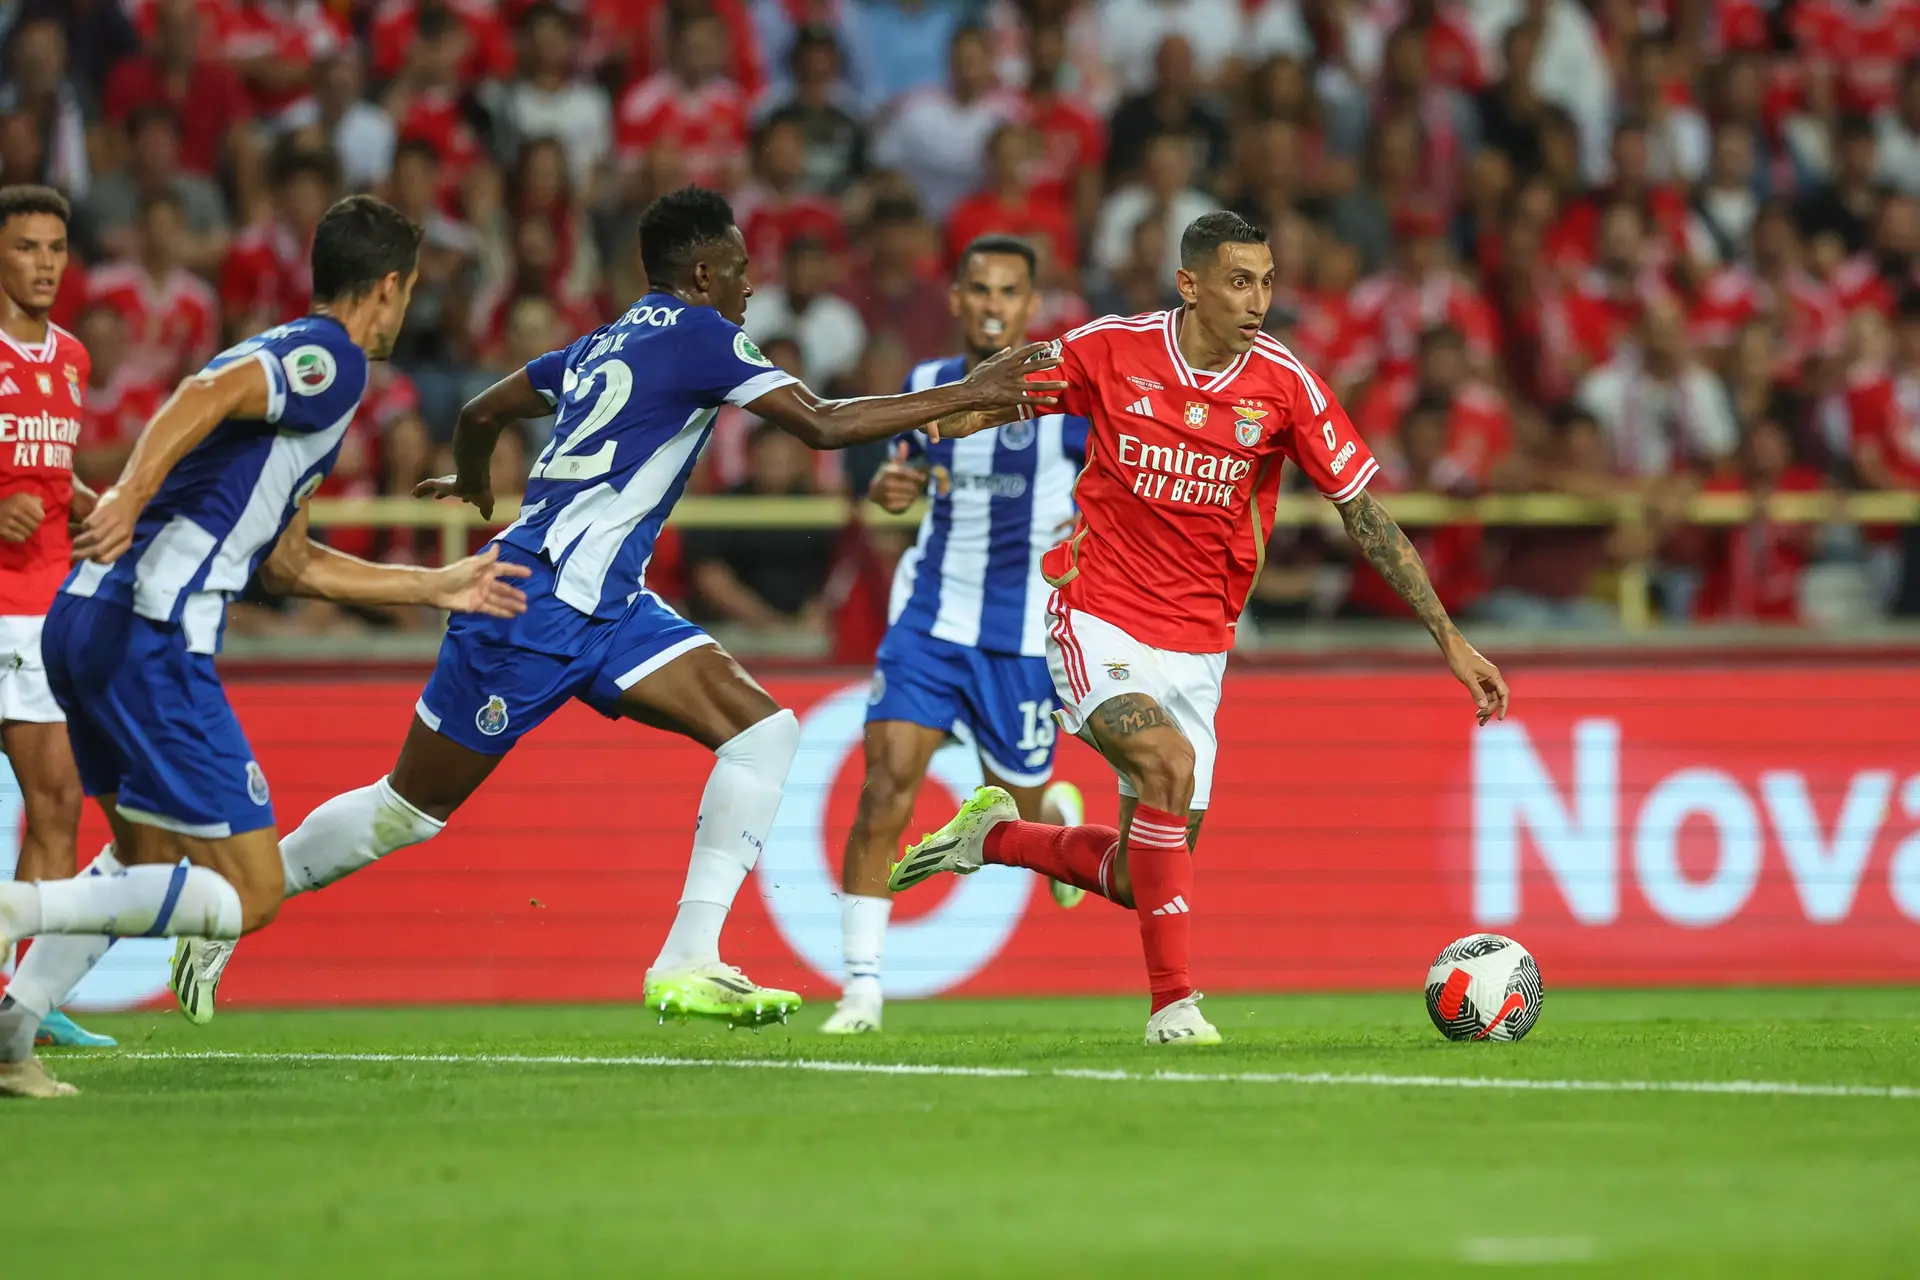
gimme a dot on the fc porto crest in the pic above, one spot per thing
(1247, 424)
(257, 784)
(1196, 414)
(1016, 436)
(492, 718)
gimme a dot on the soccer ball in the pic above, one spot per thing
(1484, 987)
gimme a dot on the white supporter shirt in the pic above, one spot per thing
(1135, 29)
(1653, 425)
(1113, 231)
(941, 144)
(829, 330)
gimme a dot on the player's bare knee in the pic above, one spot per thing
(1163, 774)
(258, 908)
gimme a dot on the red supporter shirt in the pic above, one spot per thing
(1072, 140)
(1575, 238)
(266, 272)
(1183, 471)
(301, 32)
(174, 324)
(770, 222)
(1389, 313)
(1883, 414)
(208, 103)
(1808, 320)
(1753, 569)
(42, 389)
(438, 118)
(117, 413)
(706, 126)
(1479, 431)
(1607, 314)
(985, 213)
(489, 43)
(641, 28)
(1867, 45)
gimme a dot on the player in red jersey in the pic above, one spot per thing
(43, 376)
(1193, 413)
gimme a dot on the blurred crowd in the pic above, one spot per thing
(1659, 246)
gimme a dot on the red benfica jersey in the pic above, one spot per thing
(41, 390)
(1183, 469)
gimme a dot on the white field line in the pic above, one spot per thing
(1374, 1080)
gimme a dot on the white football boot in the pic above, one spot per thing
(858, 1012)
(1064, 799)
(959, 846)
(195, 980)
(1182, 1023)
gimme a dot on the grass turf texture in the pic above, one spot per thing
(298, 1168)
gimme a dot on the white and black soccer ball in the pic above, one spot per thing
(1484, 987)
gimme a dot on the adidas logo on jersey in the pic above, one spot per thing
(8, 387)
(1178, 907)
(1143, 406)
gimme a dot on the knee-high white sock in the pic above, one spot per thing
(139, 902)
(736, 812)
(863, 935)
(349, 832)
(56, 963)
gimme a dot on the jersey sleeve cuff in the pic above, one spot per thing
(1357, 485)
(758, 385)
(276, 384)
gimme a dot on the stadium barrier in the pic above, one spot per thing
(456, 521)
(1631, 827)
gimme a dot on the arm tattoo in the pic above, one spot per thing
(1388, 550)
(1129, 714)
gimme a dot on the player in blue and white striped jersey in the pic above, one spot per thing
(965, 650)
(635, 402)
(214, 492)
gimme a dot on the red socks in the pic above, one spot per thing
(1080, 856)
(1162, 869)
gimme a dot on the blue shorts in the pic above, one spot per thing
(149, 721)
(497, 678)
(1004, 702)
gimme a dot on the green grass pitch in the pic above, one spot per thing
(1073, 1160)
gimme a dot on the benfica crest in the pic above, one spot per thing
(1247, 422)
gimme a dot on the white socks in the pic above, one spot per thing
(56, 963)
(349, 832)
(736, 812)
(137, 902)
(863, 934)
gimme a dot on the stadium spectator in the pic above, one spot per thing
(1898, 129)
(487, 47)
(153, 171)
(1475, 431)
(204, 93)
(1272, 173)
(937, 136)
(1009, 202)
(834, 135)
(121, 397)
(1511, 110)
(360, 133)
(172, 315)
(1881, 407)
(1557, 576)
(1846, 204)
(777, 207)
(1613, 293)
(1173, 103)
(1801, 310)
(1420, 461)
(1663, 208)
(1449, 128)
(1072, 138)
(764, 579)
(275, 47)
(1140, 282)
(1654, 91)
(903, 292)
(1085, 75)
(804, 307)
(690, 109)
(1727, 203)
(1751, 572)
(98, 32)
(780, 27)
(727, 461)
(1570, 67)
(1165, 193)
(427, 98)
(1422, 290)
(61, 111)
(1661, 410)
(906, 45)
(1363, 217)
(549, 99)
(1135, 33)
(266, 278)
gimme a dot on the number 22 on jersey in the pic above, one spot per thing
(562, 459)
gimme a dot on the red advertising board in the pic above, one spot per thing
(1657, 827)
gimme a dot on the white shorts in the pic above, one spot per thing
(1092, 661)
(23, 677)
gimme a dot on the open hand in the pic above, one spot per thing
(1004, 381)
(479, 584)
(897, 484)
(20, 515)
(479, 493)
(1482, 678)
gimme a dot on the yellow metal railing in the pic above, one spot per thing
(456, 521)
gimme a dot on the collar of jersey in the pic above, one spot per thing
(1189, 376)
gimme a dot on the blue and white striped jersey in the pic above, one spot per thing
(1000, 499)
(225, 504)
(635, 402)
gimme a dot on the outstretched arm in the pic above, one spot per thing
(997, 391)
(197, 406)
(299, 566)
(1387, 550)
(482, 420)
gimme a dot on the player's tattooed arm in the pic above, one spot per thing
(1387, 550)
(198, 405)
(482, 419)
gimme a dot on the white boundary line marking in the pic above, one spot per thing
(1374, 1080)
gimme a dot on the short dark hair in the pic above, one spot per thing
(165, 198)
(1008, 246)
(359, 242)
(675, 227)
(25, 198)
(1200, 242)
(418, 147)
(545, 11)
(148, 113)
(810, 37)
(1425, 407)
(290, 162)
(1441, 335)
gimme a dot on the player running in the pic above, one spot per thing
(1193, 412)
(966, 640)
(636, 400)
(215, 491)
(43, 376)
